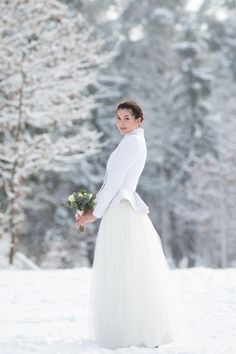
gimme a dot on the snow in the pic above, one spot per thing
(46, 312)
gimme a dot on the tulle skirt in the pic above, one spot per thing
(134, 298)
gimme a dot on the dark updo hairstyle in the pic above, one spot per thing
(132, 106)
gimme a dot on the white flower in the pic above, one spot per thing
(90, 195)
(71, 198)
(80, 194)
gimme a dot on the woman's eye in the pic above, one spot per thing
(118, 118)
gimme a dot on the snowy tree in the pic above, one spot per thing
(49, 60)
(216, 186)
(180, 67)
(150, 38)
(177, 95)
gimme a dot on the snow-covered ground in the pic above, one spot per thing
(46, 311)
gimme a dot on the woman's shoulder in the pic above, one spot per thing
(132, 139)
(131, 142)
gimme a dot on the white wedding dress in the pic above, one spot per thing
(134, 299)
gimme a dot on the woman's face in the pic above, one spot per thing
(125, 121)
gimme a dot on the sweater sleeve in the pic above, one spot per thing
(117, 168)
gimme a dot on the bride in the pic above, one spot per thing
(134, 299)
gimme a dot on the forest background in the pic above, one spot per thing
(64, 68)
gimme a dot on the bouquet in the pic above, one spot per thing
(81, 201)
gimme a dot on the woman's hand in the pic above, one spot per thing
(85, 218)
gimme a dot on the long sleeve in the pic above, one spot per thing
(124, 157)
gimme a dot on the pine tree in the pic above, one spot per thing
(49, 60)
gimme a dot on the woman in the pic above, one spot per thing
(134, 299)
